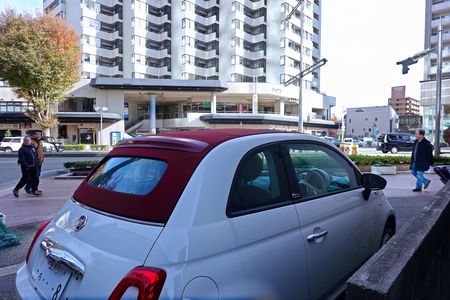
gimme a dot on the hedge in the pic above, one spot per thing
(74, 147)
(99, 147)
(372, 160)
(80, 165)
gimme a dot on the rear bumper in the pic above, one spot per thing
(24, 286)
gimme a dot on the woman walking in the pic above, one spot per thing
(27, 161)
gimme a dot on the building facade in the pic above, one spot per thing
(138, 51)
(407, 109)
(436, 11)
(371, 121)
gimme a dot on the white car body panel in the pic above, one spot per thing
(108, 247)
(207, 254)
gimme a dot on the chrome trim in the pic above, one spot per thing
(316, 236)
(57, 253)
(116, 216)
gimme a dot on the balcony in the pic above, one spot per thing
(106, 71)
(445, 38)
(440, 8)
(248, 37)
(105, 52)
(155, 53)
(253, 55)
(261, 20)
(204, 37)
(240, 69)
(199, 53)
(155, 71)
(90, 13)
(445, 22)
(206, 72)
(254, 5)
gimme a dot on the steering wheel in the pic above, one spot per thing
(317, 179)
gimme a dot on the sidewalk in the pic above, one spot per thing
(27, 209)
(405, 202)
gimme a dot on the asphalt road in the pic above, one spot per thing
(10, 173)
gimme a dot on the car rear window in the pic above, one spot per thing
(130, 175)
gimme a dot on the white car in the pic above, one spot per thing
(9, 144)
(217, 214)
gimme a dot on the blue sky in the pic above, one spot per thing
(29, 6)
(362, 40)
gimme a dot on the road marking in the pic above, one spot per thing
(8, 270)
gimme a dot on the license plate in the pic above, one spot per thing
(50, 277)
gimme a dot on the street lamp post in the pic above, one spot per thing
(300, 85)
(302, 72)
(437, 132)
(413, 60)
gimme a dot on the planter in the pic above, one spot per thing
(384, 169)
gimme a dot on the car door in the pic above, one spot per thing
(338, 226)
(266, 226)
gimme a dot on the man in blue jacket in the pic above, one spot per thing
(27, 161)
(421, 160)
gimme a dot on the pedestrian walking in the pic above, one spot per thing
(421, 160)
(27, 161)
(37, 145)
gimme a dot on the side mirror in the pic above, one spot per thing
(372, 182)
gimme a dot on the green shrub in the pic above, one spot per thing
(99, 147)
(74, 147)
(80, 165)
(393, 160)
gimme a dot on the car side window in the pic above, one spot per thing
(258, 182)
(393, 137)
(320, 170)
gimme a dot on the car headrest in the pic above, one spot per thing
(252, 169)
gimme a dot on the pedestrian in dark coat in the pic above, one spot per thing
(27, 161)
(421, 160)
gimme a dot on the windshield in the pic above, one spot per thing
(6, 140)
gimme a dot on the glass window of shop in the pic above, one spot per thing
(234, 107)
(77, 104)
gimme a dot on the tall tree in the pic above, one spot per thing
(39, 57)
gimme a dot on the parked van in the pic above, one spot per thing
(394, 142)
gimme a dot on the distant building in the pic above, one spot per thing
(403, 105)
(435, 11)
(407, 109)
(370, 121)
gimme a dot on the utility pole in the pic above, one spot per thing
(437, 132)
(300, 85)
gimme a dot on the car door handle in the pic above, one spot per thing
(54, 251)
(316, 236)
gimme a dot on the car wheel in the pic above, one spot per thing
(387, 235)
(394, 150)
(8, 149)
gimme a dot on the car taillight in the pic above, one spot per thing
(149, 281)
(38, 233)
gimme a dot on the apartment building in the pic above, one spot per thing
(407, 109)
(194, 64)
(437, 11)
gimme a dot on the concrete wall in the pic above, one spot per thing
(415, 263)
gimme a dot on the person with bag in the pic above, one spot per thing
(27, 161)
(421, 160)
(37, 145)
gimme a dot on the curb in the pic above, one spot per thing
(49, 173)
(64, 154)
